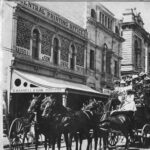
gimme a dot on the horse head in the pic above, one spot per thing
(35, 103)
(45, 101)
(48, 106)
(95, 107)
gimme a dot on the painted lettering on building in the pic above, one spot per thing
(55, 17)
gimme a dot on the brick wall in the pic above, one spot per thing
(23, 33)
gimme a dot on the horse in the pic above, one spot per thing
(40, 126)
(58, 116)
(120, 122)
(73, 122)
(97, 114)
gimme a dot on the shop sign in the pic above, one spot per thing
(106, 91)
(38, 90)
(54, 17)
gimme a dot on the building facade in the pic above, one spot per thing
(136, 48)
(104, 46)
(46, 53)
(104, 41)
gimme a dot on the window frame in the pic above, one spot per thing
(92, 59)
(54, 51)
(35, 53)
(72, 57)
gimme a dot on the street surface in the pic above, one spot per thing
(119, 147)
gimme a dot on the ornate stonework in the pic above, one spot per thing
(80, 54)
(46, 42)
(64, 48)
(23, 32)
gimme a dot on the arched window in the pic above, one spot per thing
(72, 57)
(93, 13)
(55, 51)
(35, 44)
(116, 29)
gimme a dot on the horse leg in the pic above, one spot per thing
(53, 142)
(95, 139)
(76, 140)
(89, 144)
(66, 141)
(70, 136)
(100, 143)
(80, 138)
(105, 140)
(59, 141)
(36, 140)
(45, 143)
(127, 141)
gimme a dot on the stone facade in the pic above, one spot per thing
(106, 42)
(29, 21)
(137, 44)
(103, 29)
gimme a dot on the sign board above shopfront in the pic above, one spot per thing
(54, 17)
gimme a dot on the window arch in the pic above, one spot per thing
(72, 57)
(55, 51)
(35, 43)
(93, 13)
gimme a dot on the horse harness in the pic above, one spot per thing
(88, 113)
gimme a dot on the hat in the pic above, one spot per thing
(122, 82)
(134, 76)
(142, 74)
(146, 78)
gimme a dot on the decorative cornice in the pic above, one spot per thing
(110, 32)
(139, 29)
(31, 62)
(51, 22)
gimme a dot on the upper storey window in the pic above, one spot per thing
(105, 20)
(55, 51)
(35, 44)
(116, 30)
(93, 13)
(72, 57)
(92, 59)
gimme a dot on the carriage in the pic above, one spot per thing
(141, 118)
(21, 132)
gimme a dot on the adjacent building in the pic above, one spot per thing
(104, 46)
(136, 48)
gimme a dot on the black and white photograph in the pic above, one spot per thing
(75, 75)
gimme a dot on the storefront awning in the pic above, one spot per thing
(24, 82)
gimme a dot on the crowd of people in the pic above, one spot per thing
(138, 83)
(130, 92)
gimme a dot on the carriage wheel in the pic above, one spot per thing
(16, 134)
(145, 135)
(113, 138)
